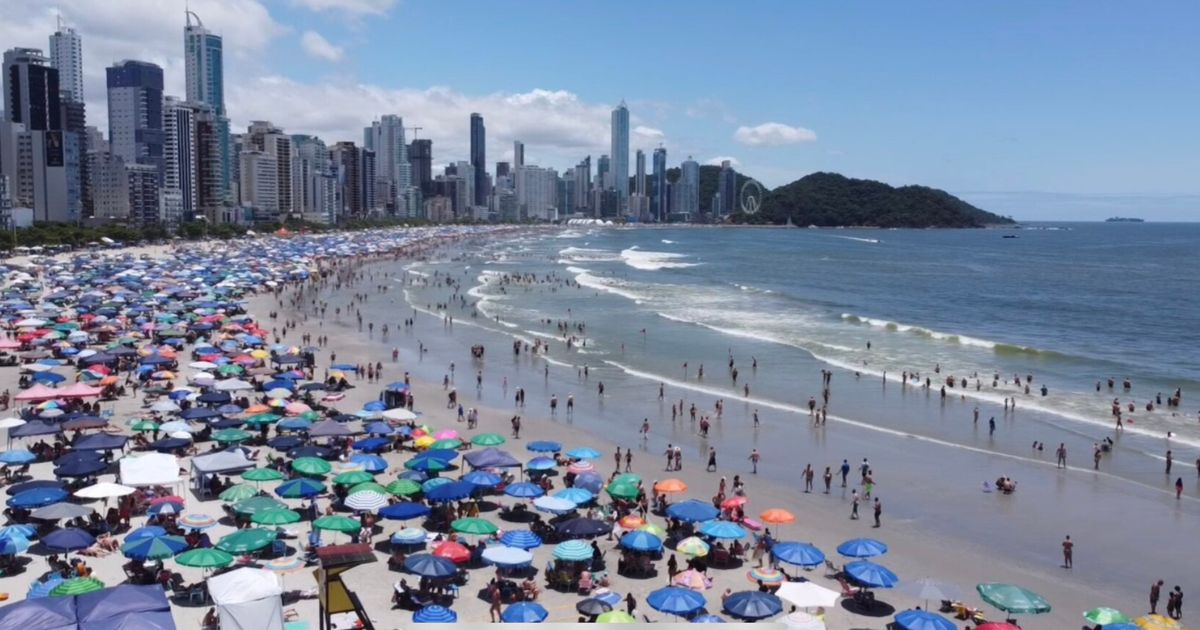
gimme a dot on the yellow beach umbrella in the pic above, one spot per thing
(1158, 622)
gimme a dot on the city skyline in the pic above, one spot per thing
(1008, 167)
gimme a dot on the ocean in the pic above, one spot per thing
(1069, 304)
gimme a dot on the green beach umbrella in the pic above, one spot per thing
(263, 418)
(262, 474)
(230, 369)
(427, 464)
(300, 488)
(404, 487)
(1105, 616)
(231, 435)
(471, 525)
(1011, 598)
(275, 517)
(155, 548)
(144, 425)
(488, 439)
(628, 478)
(311, 466)
(253, 505)
(337, 523)
(204, 558)
(449, 444)
(367, 486)
(77, 586)
(311, 416)
(621, 490)
(247, 540)
(615, 616)
(240, 492)
(353, 477)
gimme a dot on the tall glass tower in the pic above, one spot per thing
(619, 154)
(204, 67)
(479, 159)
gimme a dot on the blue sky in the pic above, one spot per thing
(1002, 102)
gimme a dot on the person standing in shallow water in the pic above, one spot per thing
(712, 459)
(1068, 549)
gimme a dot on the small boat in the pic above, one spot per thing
(1009, 236)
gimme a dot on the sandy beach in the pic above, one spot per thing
(613, 420)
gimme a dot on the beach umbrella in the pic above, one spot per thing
(573, 551)
(300, 488)
(404, 487)
(196, 521)
(80, 468)
(692, 546)
(674, 600)
(42, 588)
(578, 496)
(592, 607)
(654, 530)
(473, 525)
(541, 463)
(11, 423)
(262, 474)
(311, 466)
(1157, 622)
(239, 492)
(145, 532)
(247, 540)
(554, 505)
(801, 620)
(752, 605)
(104, 490)
(521, 539)
(692, 579)
(456, 491)
(60, 511)
(284, 442)
(482, 478)
(143, 426)
(507, 557)
(410, 536)
(707, 619)
(452, 551)
(337, 523)
(254, 505)
(37, 497)
(367, 486)
(429, 565)
(231, 435)
(316, 452)
(353, 478)
(17, 457)
(616, 616)
(544, 446)
(1013, 599)
(399, 414)
(923, 620)
(175, 426)
(797, 553)
(155, 548)
(870, 574)
(369, 463)
(723, 530)
(426, 486)
(68, 539)
(632, 478)
(583, 453)
(524, 490)
(366, 501)
(427, 464)
(669, 486)
(631, 521)
(77, 586)
(641, 541)
(777, 516)
(580, 467)
(692, 511)
(372, 444)
(13, 545)
(446, 444)
(766, 575)
(862, 548)
(404, 511)
(582, 528)
(524, 612)
(19, 530)
(278, 516)
(1106, 616)
(488, 439)
(435, 614)
(620, 490)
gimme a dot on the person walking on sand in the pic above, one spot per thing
(1178, 488)
(845, 471)
(1155, 591)
(828, 478)
(645, 429)
(628, 459)
(854, 504)
(1170, 460)
(617, 459)
(878, 511)
(808, 478)
(670, 453)
(754, 457)
(1068, 548)
(712, 460)
(516, 427)
(1061, 455)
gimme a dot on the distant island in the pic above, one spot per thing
(1124, 220)
(833, 200)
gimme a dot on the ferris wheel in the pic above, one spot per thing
(750, 197)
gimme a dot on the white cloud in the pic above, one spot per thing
(320, 48)
(353, 7)
(716, 161)
(647, 134)
(772, 134)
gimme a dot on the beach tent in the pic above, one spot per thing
(221, 462)
(38, 393)
(124, 606)
(491, 458)
(248, 599)
(44, 613)
(150, 469)
(100, 442)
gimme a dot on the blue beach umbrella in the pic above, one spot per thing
(641, 541)
(42, 588)
(544, 446)
(798, 553)
(154, 548)
(541, 463)
(692, 511)
(17, 457)
(300, 487)
(13, 545)
(590, 481)
(429, 565)
(456, 491)
(507, 557)
(674, 600)
(370, 463)
(923, 620)
(524, 490)
(524, 612)
(725, 530)
(521, 539)
(372, 444)
(482, 478)
(554, 505)
(143, 533)
(583, 453)
(435, 614)
(38, 497)
(573, 551)
(403, 511)
(430, 484)
(870, 574)
(578, 496)
(707, 619)
(17, 531)
(753, 605)
(69, 539)
(862, 548)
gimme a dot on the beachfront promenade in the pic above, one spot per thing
(173, 313)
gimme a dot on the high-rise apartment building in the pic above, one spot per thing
(658, 208)
(689, 178)
(727, 192)
(271, 140)
(479, 160)
(66, 55)
(619, 152)
(386, 138)
(346, 165)
(204, 67)
(135, 112)
(420, 156)
(639, 178)
(39, 159)
(518, 154)
(314, 185)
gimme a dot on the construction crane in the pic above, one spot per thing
(414, 130)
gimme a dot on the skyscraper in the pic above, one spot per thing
(619, 153)
(518, 154)
(36, 156)
(347, 164)
(639, 179)
(659, 207)
(204, 67)
(274, 143)
(135, 113)
(31, 90)
(420, 156)
(689, 177)
(604, 173)
(66, 54)
(479, 160)
(726, 190)
(386, 138)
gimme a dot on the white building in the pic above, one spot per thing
(537, 192)
(259, 183)
(66, 54)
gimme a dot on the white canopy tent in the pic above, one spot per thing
(248, 599)
(150, 469)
